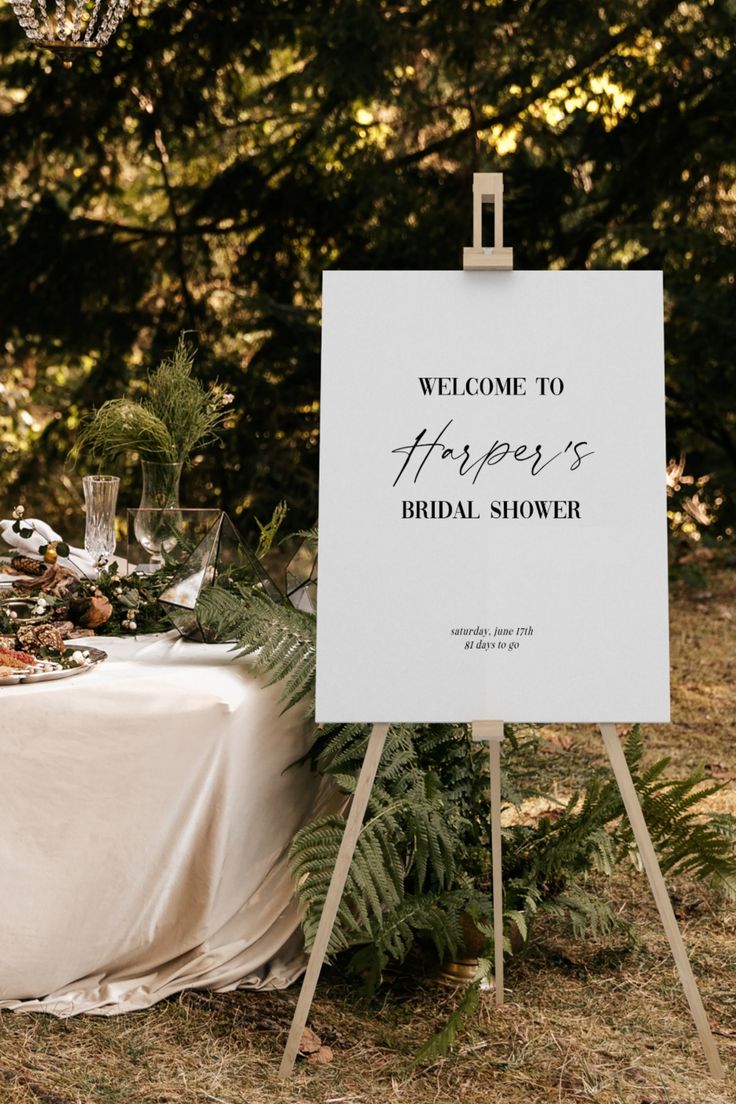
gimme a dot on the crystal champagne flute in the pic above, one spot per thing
(100, 498)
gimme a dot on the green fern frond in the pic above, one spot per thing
(686, 841)
(634, 748)
(269, 531)
(440, 1045)
(374, 884)
(587, 913)
(339, 744)
(279, 638)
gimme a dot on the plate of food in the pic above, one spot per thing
(46, 662)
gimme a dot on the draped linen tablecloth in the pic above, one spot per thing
(146, 808)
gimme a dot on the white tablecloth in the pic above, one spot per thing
(145, 813)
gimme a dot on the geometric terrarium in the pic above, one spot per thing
(221, 556)
(164, 536)
(301, 574)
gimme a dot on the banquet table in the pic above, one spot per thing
(146, 810)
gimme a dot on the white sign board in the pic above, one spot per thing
(492, 521)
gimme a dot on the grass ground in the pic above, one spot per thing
(599, 1020)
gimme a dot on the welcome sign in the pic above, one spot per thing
(492, 498)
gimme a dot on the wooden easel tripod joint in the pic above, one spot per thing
(488, 187)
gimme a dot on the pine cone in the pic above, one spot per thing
(27, 566)
(35, 637)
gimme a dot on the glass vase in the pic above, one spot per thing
(157, 521)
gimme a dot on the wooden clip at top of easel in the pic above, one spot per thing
(488, 188)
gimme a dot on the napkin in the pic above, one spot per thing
(78, 560)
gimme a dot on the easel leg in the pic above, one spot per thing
(661, 897)
(494, 748)
(492, 731)
(358, 807)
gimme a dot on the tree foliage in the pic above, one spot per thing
(203, 170)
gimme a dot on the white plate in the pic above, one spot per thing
(8, 680)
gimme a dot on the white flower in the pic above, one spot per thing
(132, 626)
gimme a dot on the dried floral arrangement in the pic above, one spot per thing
(178, 414)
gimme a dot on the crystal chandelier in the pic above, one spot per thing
(70, 27)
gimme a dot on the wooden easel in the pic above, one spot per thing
(358, 808)
(488, 188)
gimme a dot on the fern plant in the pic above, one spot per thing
(422, 858)
(279, 638)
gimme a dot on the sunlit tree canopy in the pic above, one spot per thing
(202, 170)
